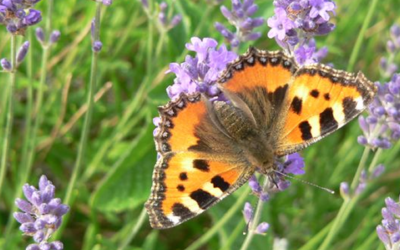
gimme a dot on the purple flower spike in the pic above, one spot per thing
(23, 50)
(248, 212)
(55, 35)
(241, 17)
(97, 46)
(262, 228)
(254, 185)
(200, 73)
(321, 8)
(33, 17)
(389, 231)
(280, 24)
(107, 2)
(40, 35)
(163, 20)
(5, 64)
(295, 23)
(344, 190)
(42, 215)
(388, 67)
(17, 15)
(381, 128)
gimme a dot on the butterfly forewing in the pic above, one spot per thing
(321, 100)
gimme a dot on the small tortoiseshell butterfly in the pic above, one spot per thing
(208, 150)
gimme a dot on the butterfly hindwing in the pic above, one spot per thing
(197, 164)
(321, 100)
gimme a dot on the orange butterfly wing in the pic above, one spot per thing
(320, 101)
(297, 105)
(197, 167)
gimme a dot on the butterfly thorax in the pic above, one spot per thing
(252, 141)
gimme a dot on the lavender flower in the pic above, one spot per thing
(387, 65)
(145, 4)
(107, 2)
(97, 46)
(17, 15)
(54, 36)
(5, 64)
(240, 17)
(166, 24)
(23, 50)
(296, 22)
(41, 37)
(248, 217)
(42, 214)
(389, 231)
(363, 181)
(381, 127)
(200, 73)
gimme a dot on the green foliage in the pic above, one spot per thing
(115, 179)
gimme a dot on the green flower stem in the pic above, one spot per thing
(29, 107)
(349, 204)
(160, 42)
(360, 38)
(360, 168)
(335, 226)
(35, 114)
(10, 111)
(88, 117)
(315, 240)
(256, 219)
(32, 141)
(228, 215)
(135, 230)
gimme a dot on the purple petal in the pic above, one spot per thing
(24, 205)
(248, 212)
(23, 217)
(262, 228)
(383, 235)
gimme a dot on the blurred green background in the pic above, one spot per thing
(115, 180)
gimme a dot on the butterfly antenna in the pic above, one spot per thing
(306, 182)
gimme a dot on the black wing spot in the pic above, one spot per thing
(327, 96)
(314, 93)
(201, 165)
(203, 198)
(296, 105)
(305, 129)
(178, 209)
(349, 105)
(183, 176)
(180, 188)
(327, 121)
(220, 183)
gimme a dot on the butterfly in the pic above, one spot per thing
(209, 149)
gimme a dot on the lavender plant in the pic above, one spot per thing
(17, 16)
(387, 65)
(296, 22)
(41, 215)
(241, 18)
(389, 230)
(381, 130)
